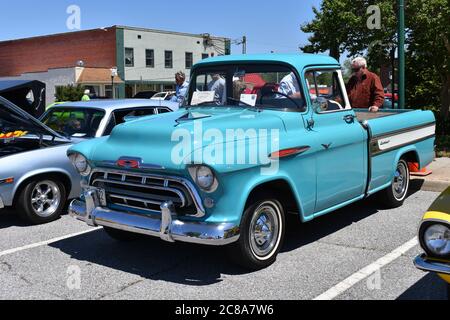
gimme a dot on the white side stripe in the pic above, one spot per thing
(367, 271)
(44, 243)
(404, 138)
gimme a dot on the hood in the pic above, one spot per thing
(154, 139)
(12, 118)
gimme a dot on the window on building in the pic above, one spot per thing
(205, 56)
(189, 60)
(168, 58)
(129, 57)
(150, 58)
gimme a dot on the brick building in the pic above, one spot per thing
(146, 59)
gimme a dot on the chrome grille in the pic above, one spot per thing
(147, 192)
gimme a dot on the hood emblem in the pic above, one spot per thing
(129, 163)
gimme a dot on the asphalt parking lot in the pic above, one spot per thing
(320, 259)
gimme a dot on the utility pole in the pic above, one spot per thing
(393, 77)
(242, 42)
(401, 54)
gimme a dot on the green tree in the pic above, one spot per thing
(69, 93)
(428, 56)
(341, 26)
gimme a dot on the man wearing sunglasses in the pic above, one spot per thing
(364, 87)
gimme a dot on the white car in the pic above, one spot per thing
(164, 96)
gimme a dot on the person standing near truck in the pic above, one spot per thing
(364, 87)
(181, 87)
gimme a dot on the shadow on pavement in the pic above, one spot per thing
(196, 265)
(430, 287)
(152, 258)
(9, 219)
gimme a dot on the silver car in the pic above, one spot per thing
(36, 176)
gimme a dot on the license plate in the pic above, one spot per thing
(102, 197)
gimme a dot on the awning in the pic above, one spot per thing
(97, 76)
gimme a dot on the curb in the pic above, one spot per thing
(432, 185)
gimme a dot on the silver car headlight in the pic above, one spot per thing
(436, 239)
(204, 177)
(81, 164)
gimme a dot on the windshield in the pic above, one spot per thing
(263, 86)
(74, 122)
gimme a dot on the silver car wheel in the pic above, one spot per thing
(45, 198)
(401, 181)
(265, 230)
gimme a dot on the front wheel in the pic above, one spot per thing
(395, 195)
(41, 201)
(262, 234)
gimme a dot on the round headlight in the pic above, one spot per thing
(81, 164)
(437, 240)
(204, 177)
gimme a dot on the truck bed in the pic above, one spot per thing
(365, 115)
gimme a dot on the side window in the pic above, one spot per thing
(325, 90)
(214, 87)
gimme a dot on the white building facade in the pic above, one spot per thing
(152, 57)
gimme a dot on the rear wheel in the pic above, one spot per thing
(395, 195)
(120, 235)
(262, 234)
(41, 201)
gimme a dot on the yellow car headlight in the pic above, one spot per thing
(435, 239)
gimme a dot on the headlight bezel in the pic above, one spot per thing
(77, 160)
(424, 227)
(195, 170)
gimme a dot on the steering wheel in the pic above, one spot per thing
(266, 93)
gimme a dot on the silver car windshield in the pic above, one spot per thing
(74, 122)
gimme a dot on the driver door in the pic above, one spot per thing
(340, 141)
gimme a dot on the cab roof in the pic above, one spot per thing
(299, 61)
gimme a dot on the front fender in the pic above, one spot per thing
(235, 189)
(74, 177)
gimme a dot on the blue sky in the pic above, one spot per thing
(269, 25)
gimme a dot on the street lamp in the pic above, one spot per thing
(114, 74)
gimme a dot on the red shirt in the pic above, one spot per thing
(366, 91)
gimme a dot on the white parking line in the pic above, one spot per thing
(44, 243)
(367, 271)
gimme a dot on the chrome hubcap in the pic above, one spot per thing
(45, 198)
(400, 184)
(265, 229)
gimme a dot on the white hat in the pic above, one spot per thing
(87, 91)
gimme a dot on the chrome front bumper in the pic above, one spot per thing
(167, 226)
(425, 264)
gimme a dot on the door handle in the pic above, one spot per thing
(350, 118)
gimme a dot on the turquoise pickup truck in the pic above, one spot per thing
(259, 137)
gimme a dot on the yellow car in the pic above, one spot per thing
(434, 237)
